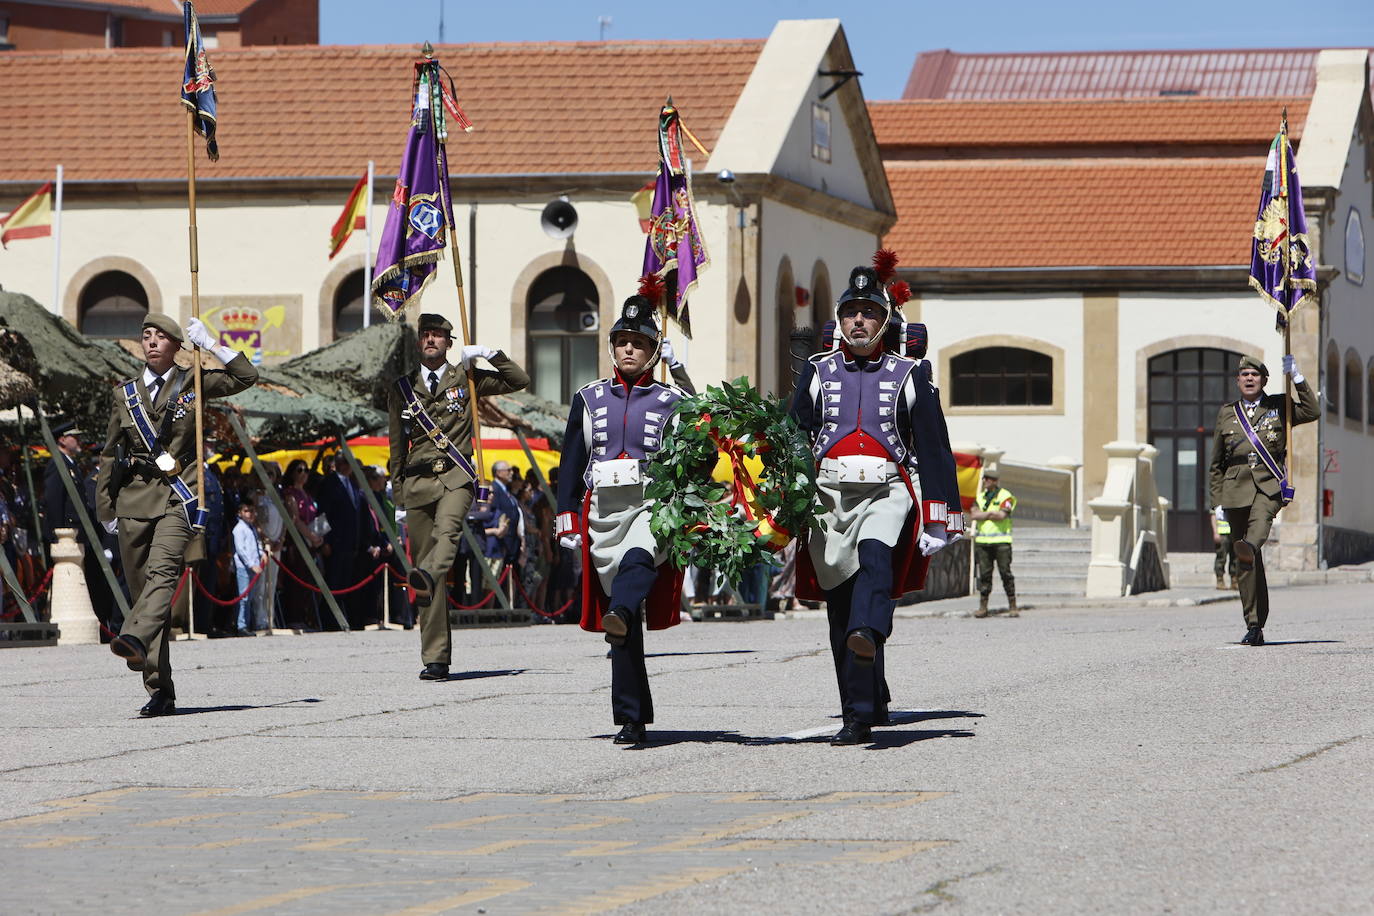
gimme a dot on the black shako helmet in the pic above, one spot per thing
(865, 287)
(640, 316)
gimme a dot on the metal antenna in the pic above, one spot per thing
(603, 23)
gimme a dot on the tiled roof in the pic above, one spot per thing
(1100, 74)
(922, 123)
(292, 111)
(1074, 213)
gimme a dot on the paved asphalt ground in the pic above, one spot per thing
(1080, 760)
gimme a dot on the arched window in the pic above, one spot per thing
(565, 334)
(1332, 389)
(1354, 391)
(112, 305)
(348, 306)
(1001, 376)
(1369, 393)
(822, 299)
(786, 299)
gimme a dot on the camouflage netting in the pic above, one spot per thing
(339, 388)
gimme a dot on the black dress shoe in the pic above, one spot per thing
(421, 583)
(1259, 638)
(159, 704)
(434, 671)
(863, 642)
(631, 733)
(244, 633)
(852, 733)
(1250, 637)
(616, 623)
(130, 648)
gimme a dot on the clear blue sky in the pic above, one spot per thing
(884, 35)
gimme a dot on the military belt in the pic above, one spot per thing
(429, 468)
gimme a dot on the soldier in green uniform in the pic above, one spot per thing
(1248, 477)
(145, 491)
(431, 470)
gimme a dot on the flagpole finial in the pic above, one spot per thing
(427, 50)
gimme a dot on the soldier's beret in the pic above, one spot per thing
(1249, 362)
(432, 322)
(165, 324)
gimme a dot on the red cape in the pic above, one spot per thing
(908, 566)
(665, 598)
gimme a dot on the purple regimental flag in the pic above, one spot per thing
(1281, 268)
(420, 213)
(198, 82)
(674, 249)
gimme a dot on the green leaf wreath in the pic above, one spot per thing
(699, 519)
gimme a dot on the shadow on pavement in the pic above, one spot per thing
(240, 707)
(478, 675)
(885, 736)
(1301, 642)
(717, 652)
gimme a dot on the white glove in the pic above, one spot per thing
(476, 351)
(1290, 367)
(111, 526)
(199, 335)
(932, 540)
(668, 355)
(571, 541)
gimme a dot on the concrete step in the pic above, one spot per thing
(1048, 585)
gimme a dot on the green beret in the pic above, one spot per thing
(165, 324)
(432, 322)
(1249, 362)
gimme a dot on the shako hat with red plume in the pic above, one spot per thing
(639, 314)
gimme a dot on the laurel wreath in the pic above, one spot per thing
(701, 521)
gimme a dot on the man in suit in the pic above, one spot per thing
(504, 547)
(432, 423)
(354, 542)
(60, 512)
(148, 482)
(1249, 478)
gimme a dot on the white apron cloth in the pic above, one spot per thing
(617, 522)
(854, 513)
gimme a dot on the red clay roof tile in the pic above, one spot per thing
(1074, 213)
(295, 111)
(917, 124)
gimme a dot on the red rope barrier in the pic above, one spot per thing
(343, 591)
(485, 598)
(220, 601)
(42, 586)
(534, 608)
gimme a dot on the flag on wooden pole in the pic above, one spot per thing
(354, 216)
(198, 83)
(32, 219)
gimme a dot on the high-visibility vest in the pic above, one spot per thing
(991, 531)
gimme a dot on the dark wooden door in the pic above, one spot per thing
(1186, 389)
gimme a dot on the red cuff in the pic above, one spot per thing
(568, 523)
(933, 511)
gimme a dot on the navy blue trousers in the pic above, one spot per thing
(630, 697)
(862, 600)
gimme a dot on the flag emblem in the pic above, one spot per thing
(427, 218)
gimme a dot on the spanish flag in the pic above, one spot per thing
(354, 216)
(32, 219)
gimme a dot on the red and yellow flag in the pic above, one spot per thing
(32, 219)
(354, 216)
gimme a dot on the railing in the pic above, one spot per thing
(1130, 551)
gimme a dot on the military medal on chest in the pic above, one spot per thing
(182, 403)
(454, 398)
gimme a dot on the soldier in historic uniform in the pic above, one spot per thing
(887, 492)
(1248, 475)
(614, 427)
(432, 425)
(147, 486)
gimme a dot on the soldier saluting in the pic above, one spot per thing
(146, 488)
(1249, 477)
(431, 429)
